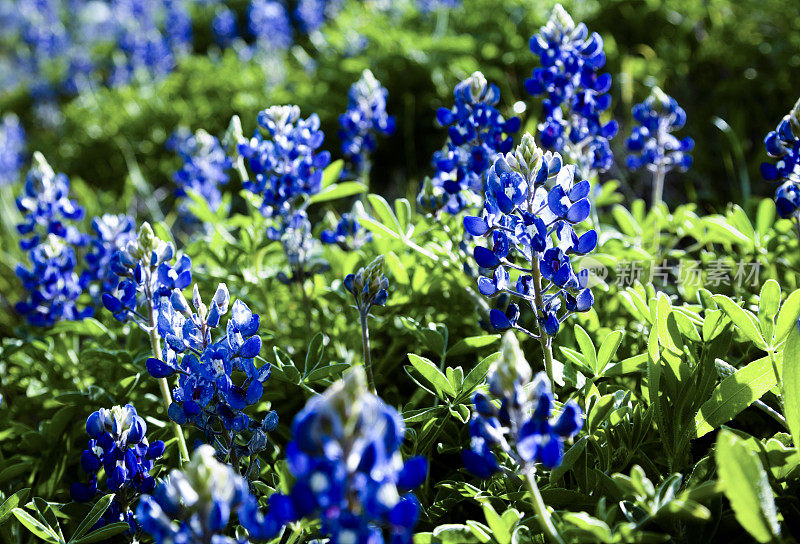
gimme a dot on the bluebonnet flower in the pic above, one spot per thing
(652, 145)
(311, 14)
(194, 504)
(12, 149)
(783, 144)
(532, 233)
(477, 133)
(269, 22)
(224, 27)
(118, 446)
(287, 171)
(146, 275)
(301, 249)
(348, 234)
(112, 233)
(47, 207)
(575, 94)
(205, 165)
(286, 167)
(348, 470)
(369, 288)
(53, 287)
(520, 426)
(363, 121)
(178, 26)
(208, 396)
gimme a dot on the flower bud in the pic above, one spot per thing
(510, 370)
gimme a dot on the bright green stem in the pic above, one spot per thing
(163, 385)
(542, 515)
(365, 348)
(544, 338)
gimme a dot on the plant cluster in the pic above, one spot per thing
(313, 363)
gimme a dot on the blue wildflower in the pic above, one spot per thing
(477, 133)
(651, 142)
(520, 426)
(348, 470)
(575, 94)
(12, 149)
(194, 504)
(118, 446)
(146, 275)
(311, 14)
(53, 287)
(269, 23)
(224, 27)
(209, 395)
(286, 167)
(531, 230)
(783, 144)
(112, 233)
(205, 165)
(348, 234)
(364, 120)
(301, 249)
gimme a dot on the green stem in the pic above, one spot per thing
(544, 338)
(658, 186)
(365, 349)
(542, 515)
(163, 385)
(778, 380)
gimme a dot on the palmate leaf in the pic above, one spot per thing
(432, 375)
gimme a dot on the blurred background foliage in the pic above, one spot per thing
(732, 64)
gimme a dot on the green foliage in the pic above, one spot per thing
(659, 367)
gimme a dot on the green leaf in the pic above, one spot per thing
(12, 502)
(94, 514)
(432, 374)
(787, 317)
(12, 471)
(625, 220)
(745, 483)
(743, 319)
(403, 211)
(332, 173)
(338, 190)
(791, 384)
(453, 533)
(719, 225)
(104, 533)
(768, 306)
(735, 393)
(316, 350)
(608, 348)
(472, 343)
(85, 327)
(765, 216)
(587, 348)
(384, 213)
(500, 531)
(477, 374)
(36, 527)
